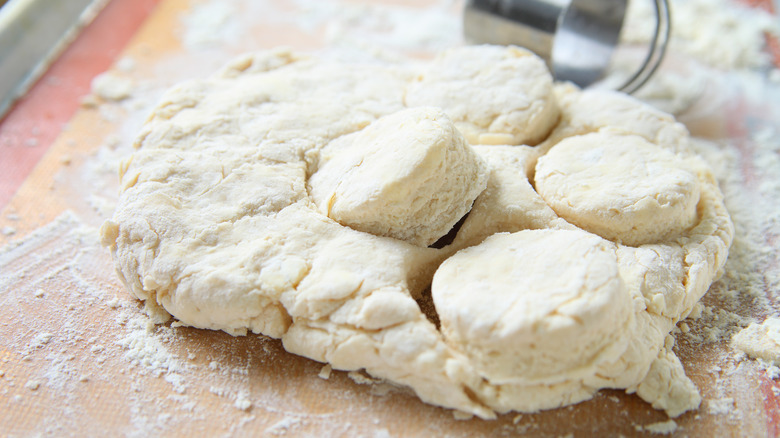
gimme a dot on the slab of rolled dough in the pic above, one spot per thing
(231, 218)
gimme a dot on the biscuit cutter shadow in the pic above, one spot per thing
(575, 37)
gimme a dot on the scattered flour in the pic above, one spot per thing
(710, 40)
(351, 24)
(67, 253)
(242, 401)
(721, 33)
(40, 340)
(283, 426)
(126, 64)
(722, 406)
(145, 350)
(210, 23)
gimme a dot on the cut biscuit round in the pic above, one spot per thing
(410, 175)
(535, 306)
(621, 187)
(495, 95)
(590, 110)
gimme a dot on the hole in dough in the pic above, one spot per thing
(425, 302)
(448, 238)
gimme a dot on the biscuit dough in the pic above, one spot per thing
(583, 178)
(495, 95)
(564, 308)
(586, 111)
(409, 175)
(225, 220)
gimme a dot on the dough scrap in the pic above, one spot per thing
(760, 341)
(409, 175)
(494, 95)
(621, 187)
(219, 223)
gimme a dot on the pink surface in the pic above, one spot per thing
(36, 120)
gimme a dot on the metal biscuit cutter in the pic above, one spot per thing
(575, 37)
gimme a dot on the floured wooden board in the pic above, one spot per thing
(79, 356)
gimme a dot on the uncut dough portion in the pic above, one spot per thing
(564, 309)
(214, 223)
(409, 175)
(621, 187)
(495, 95)
(509, 203)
